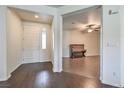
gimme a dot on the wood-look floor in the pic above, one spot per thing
(86, 66)
(40, 75)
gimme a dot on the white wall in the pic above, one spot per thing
(111, 46)
(33, 51)
(122, 45)
(14, 41)
(91, 42)
(3, 59)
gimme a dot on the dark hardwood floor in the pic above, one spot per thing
(40, 75)
(86, 66)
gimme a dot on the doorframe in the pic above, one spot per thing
(101, 42)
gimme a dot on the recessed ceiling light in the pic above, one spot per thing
(36, 16)
(90, 30)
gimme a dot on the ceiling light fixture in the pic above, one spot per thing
(90, 30)
(36, 16)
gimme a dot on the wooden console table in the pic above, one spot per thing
(77, 50)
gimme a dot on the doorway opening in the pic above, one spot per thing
(34, 38)
(82, 42)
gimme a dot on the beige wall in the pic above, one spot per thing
(14, 41)
(90, 40)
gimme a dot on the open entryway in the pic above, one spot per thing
(81, 42)
(29, 38)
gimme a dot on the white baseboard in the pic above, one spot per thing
(25, 62)
(56, 70)
(9, 76)
(5, 78)
(110, 83)
(60, 70)
(122, 85)
(100, 78)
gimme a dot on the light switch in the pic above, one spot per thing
(111, 12)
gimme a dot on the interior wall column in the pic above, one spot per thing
(57, 64)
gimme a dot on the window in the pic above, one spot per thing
(43, 39)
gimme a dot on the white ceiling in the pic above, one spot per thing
(29, 16)
(79, 20)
